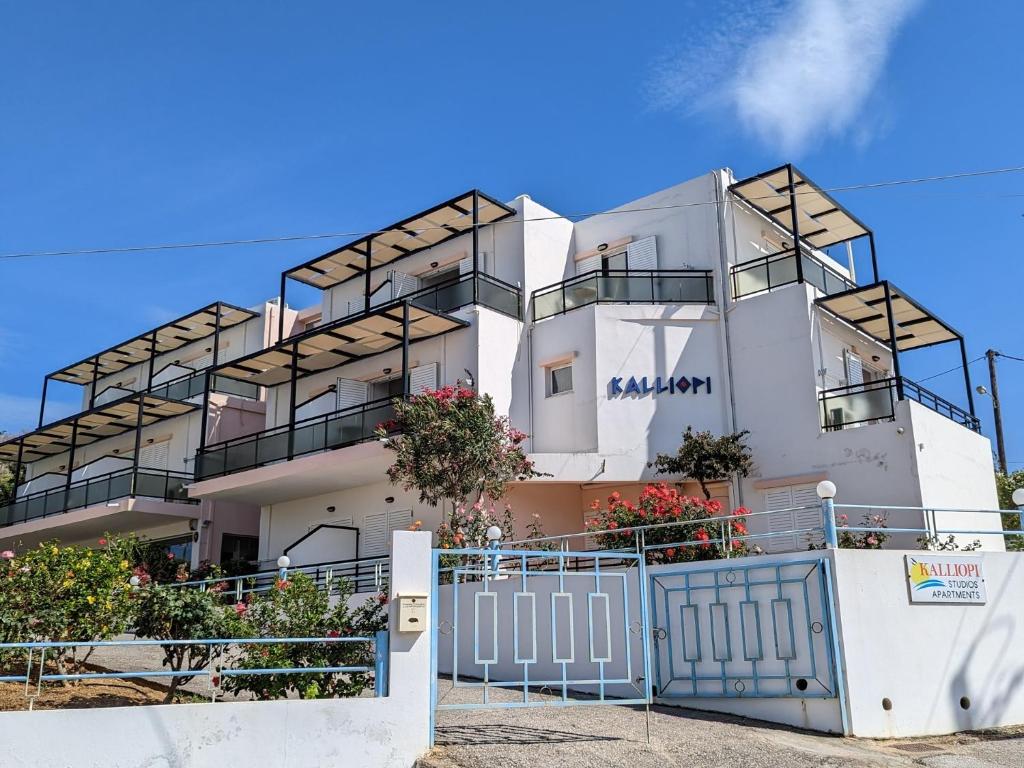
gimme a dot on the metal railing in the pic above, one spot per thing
(874, 401)
(219, 668)
(366, 574)
(624, 286)
(151, 483)
(778, 269)
(193, 384)
(315, 434)
(468, 289)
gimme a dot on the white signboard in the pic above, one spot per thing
(946, 579)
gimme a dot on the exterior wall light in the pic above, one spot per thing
(1018, 498)
(826, 489)
(282, 564)
(386, 371)
(493, 533)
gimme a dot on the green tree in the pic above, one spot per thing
(1005, 486)
(706, 458)
(452, 447)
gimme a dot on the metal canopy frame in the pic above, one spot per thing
(889, 316)
(195, 326)
(785, 193)
(443, 222)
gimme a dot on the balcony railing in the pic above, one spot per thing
(150, 483)
(454, 294)
(778, 269)
(875, 401)
(313, 435)
(192, 385)
(623, 286)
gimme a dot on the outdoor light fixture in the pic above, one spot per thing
(603, 247)
(433, 265)
(826, 489)
(283, 561)
(389, 500)
(1018, 497)
(980, 389)
(113, 503)
(330, 510)
(134, 581)
(493, 533)
(387, 371)
(149, 440)
(875, 358)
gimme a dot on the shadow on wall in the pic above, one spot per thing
(996, 692)
(503, 733)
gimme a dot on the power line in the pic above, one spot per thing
(569, 217)
(1010, 357)
(954, 368)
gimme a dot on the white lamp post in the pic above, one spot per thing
(1018, 501)
(494, 542)
(826, 491)
(282, 564)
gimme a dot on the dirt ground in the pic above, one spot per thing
(86, 694)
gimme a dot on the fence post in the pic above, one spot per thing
(380, 664)
(826, 491)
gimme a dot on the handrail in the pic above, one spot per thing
(905, 389)
(312, 531)
(789, 277)
(614, 278)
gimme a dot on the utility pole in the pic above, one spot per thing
(997, 416)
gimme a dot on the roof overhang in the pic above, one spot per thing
(189, 328)
(341, 342)
(867, 309)
(431, 227)
(99, 423)
(821, 219)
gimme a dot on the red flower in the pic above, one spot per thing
(612, 525)
(670, 552)
(382, 598)
(333, 633)
(241, 608)
(282, 584)
(103, 542)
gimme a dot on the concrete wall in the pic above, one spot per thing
(924, 658)
(389, 732)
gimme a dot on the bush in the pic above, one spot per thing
(183, 613)
(664, 504)
(54, 593)
(296, 608)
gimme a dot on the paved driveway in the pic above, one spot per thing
(614, 737)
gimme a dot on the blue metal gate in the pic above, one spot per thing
(745, 629)
(538, 628)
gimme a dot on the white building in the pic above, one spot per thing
(603, 339)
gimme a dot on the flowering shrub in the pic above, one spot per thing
(862, 539)
(70, 593)
(662, 503)
(296, 608)
(453, 447)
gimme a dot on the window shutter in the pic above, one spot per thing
(155, 456)
(642, 254)
(807, 496)
(374, 535)
(201, 363)
(466, 265)
(350, 393)
(398, 520)
(403, 284)
(422, 377)
(591, 264)
(779, 499)
(854, 369)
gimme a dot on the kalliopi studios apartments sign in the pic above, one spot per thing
(938, 579)
(658, 385)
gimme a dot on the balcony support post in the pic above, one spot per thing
(42, 403)
(476, 241)
(405, 350)
(92, 388)
(207, 380)
(893, 344)
(796, 225)
(71, 464)
(367, 269)
(967, 376)
(291, 400)
(138, 442)
(280, 307)
(152, 356)
(17, 471)
(874, 258)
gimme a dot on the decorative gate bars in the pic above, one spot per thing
(745, 629)
(538, 628)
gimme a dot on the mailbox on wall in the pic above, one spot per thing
(412, 613)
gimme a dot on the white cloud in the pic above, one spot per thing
(793, 72)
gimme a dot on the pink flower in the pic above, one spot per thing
(241, 608)
(7, 554)
(333, 633)
(872, 540)
(103, 542)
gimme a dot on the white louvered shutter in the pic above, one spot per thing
(398, 520)
(201, 363)
(155, 456)
(642, 254)
(350, 393)
(775, 500)
(403, 284)
(810, 517)
(591, 264)
(854, 369)
(422, 377)
(373, 536)
(466, 265)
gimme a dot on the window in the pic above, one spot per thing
(239, 548)
(443, 275)
(613, 261)
(559, 379)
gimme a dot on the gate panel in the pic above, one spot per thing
(538, 628)
(743, 629)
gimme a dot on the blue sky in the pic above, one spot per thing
(128, 123)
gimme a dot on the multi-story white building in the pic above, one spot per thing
(123, 462)
(715, 303)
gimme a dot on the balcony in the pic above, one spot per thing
(621, 286)
(149, 483)
(317, 434)
(193, 385)
(778, 269)
(875, 401)
(466, 290)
